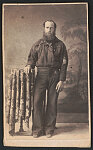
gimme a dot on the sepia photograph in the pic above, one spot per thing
(46, 84)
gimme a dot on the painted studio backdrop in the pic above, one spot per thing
(23, 26)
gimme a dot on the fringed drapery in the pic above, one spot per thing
(20, 97)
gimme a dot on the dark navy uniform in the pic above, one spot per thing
(51, 61)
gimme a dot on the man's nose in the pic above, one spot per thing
(49, 29)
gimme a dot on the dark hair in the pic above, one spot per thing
(50, 21)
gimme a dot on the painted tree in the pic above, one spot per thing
(75, 37)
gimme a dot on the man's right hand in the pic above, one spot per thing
(27, 68)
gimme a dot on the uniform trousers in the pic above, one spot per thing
(46, 79)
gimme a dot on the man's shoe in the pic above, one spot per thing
(49, 135)
(36, 135)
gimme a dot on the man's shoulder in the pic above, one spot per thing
(37, 43)
(60, 42)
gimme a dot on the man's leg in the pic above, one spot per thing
(51, 111)
(39, 97)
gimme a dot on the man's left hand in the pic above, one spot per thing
(59, 86)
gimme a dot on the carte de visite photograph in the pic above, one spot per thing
(46, 84)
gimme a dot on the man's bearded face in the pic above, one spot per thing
(49, 30)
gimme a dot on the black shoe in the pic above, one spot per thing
(49, 134)
(36, 135)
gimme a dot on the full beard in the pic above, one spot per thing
(49, 37)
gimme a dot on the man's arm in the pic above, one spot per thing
(64, 64)
(32, 59)
(63, 70)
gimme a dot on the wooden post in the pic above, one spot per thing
(21, 124)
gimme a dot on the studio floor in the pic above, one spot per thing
(67, 134)
(68, 126)
(64, 131)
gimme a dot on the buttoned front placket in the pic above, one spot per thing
(49, 51)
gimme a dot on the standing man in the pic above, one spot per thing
(49, 55)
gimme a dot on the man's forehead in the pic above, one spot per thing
(49, 23)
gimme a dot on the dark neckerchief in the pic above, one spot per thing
(50, 43)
